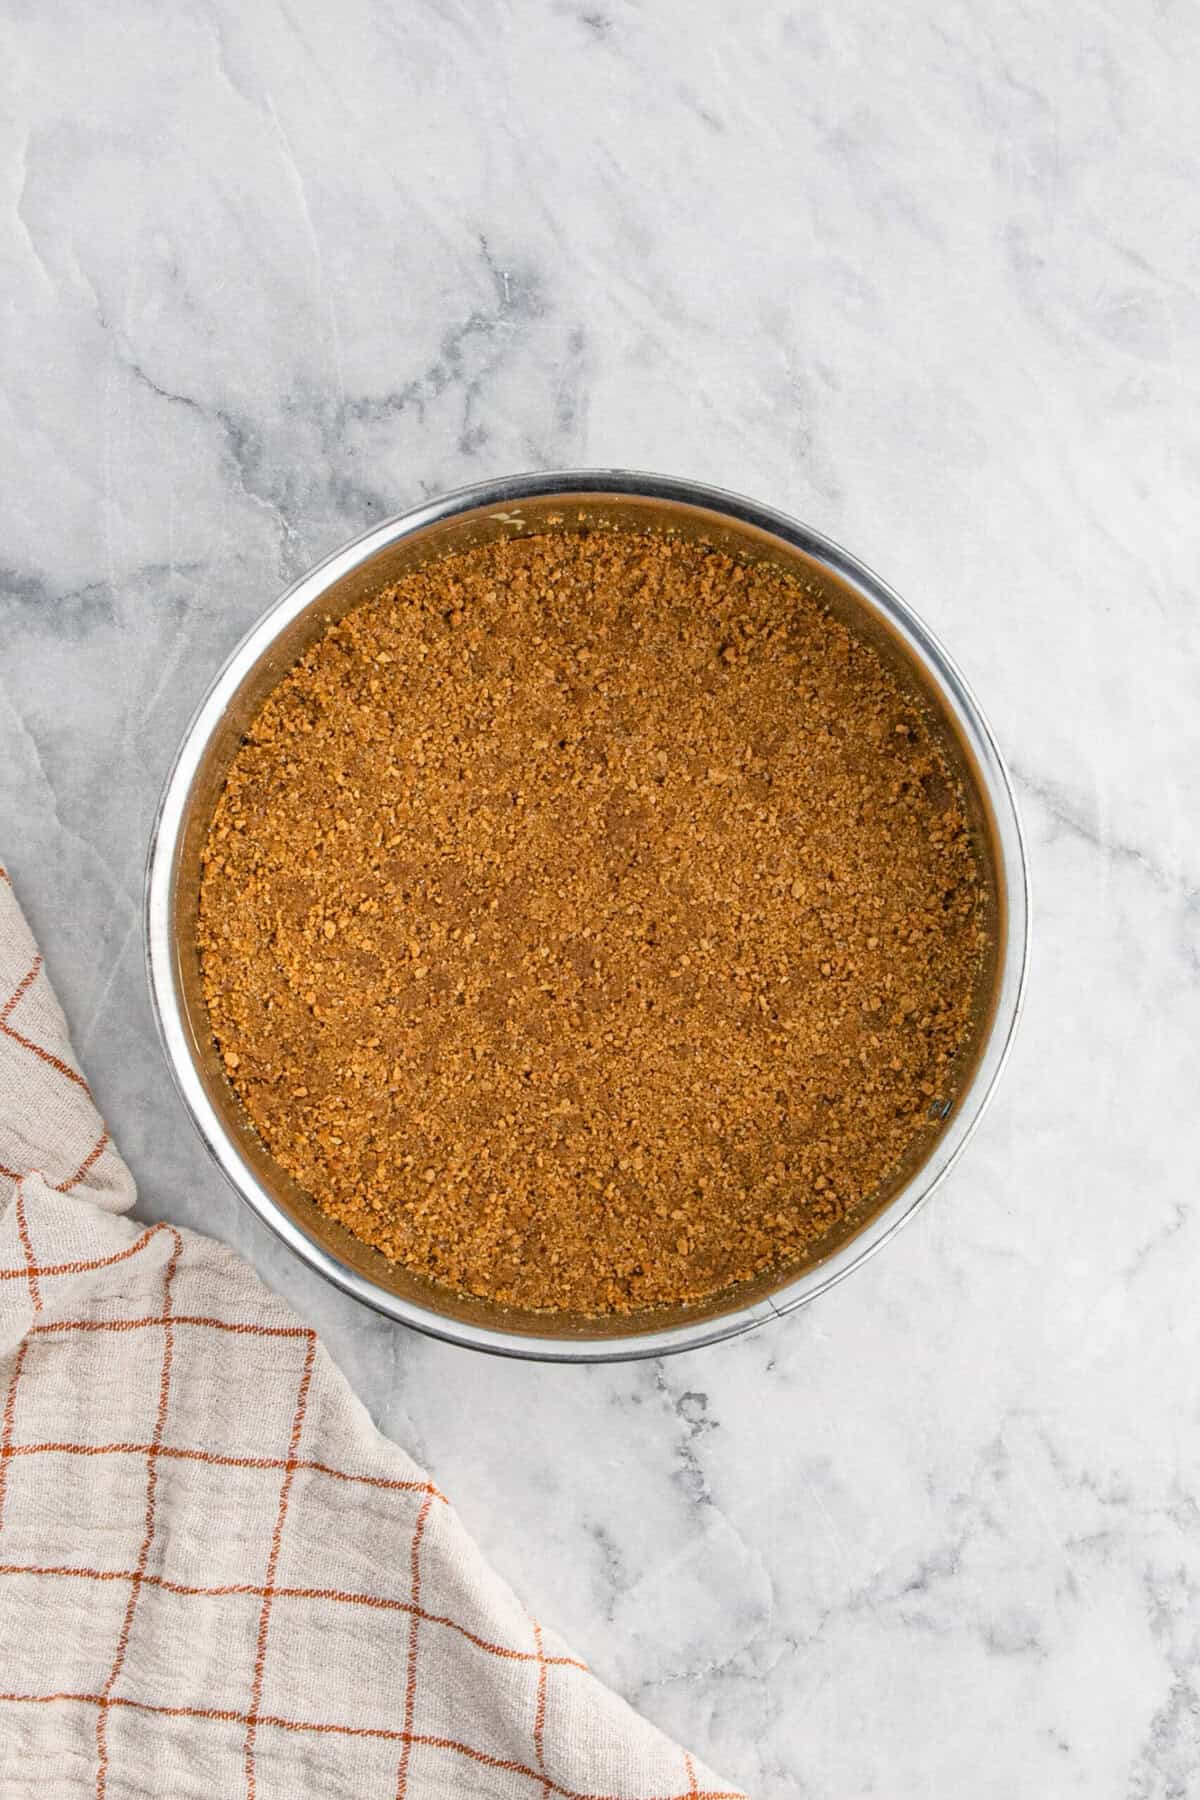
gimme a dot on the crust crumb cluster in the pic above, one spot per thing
(591, 921)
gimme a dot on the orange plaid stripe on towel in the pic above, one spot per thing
(216, 1577)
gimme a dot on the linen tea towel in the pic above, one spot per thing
(217, 1578)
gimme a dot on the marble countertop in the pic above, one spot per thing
(926, 276)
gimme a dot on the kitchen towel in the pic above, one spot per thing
(216, 1576)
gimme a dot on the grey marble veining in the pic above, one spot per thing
(927, 276)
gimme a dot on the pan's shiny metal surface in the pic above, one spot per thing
(519, 505)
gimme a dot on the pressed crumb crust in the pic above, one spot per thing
(590, 921)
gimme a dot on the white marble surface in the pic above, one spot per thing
(927, 276)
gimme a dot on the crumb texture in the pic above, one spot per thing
(591, 921)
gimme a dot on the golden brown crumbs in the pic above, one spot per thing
(591, 921)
